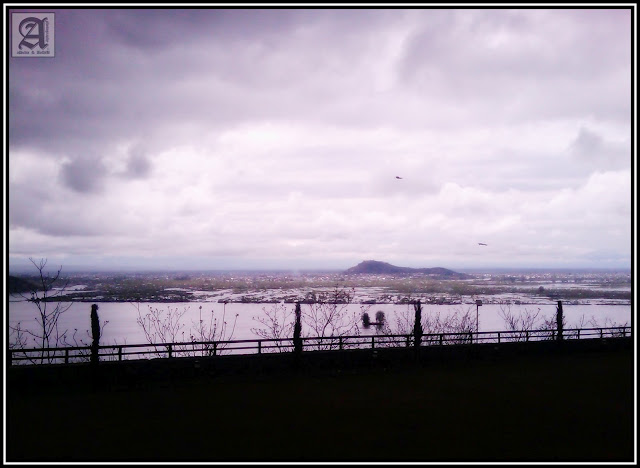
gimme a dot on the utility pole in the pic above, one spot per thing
(478, 304)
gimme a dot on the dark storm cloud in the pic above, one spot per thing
(84, 174)
(121, 73)
(138, 164)
(152, 29)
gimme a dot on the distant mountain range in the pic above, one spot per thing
(377, 268)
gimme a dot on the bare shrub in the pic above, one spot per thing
(18, 337)
(277, 324)
(329, 317)
(404, 322)
(325, 315)
(459, 326)
(522, 324)
(212, 334)
(574, 330)
(456, 327)
(160, 326)
(610, 327)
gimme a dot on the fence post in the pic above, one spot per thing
(259, 346)
(441, 339)
(66, 356)
(417, 325)
(527, 335)
(373, 341)
(297, 332)
(559, 320)
(498, 337)
(215, 348)
(119, 353)
(340, 342)
(95, 333)
(170, 350)
(578, 333)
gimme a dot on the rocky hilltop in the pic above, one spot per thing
(382, 268)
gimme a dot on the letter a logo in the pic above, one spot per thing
(32, 29)
(32, 34)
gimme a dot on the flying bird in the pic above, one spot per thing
(480, 243)
(398, 177)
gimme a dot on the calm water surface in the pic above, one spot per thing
(122, 327)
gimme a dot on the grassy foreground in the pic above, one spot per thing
(569, 407)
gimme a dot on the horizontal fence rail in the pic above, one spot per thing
(73, 354)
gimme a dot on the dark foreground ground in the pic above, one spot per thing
(569, 406)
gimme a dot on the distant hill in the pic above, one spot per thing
(20, 285)
(377, 268)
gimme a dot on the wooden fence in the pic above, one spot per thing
(67, 355)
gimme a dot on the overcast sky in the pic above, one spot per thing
(272, 139)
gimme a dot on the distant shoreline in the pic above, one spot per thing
(544, 287)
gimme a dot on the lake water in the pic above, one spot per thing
(122, 327)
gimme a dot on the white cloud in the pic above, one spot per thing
(277, 137)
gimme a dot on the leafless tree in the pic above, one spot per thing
(460, 325)
(214, 333)
(160, 326)
(277, 323)
(329, 317)
(18, 337)
(573, 331)
(404, 322)
(522, 324)
(45, 296)
(616, 329)
(328, 314)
